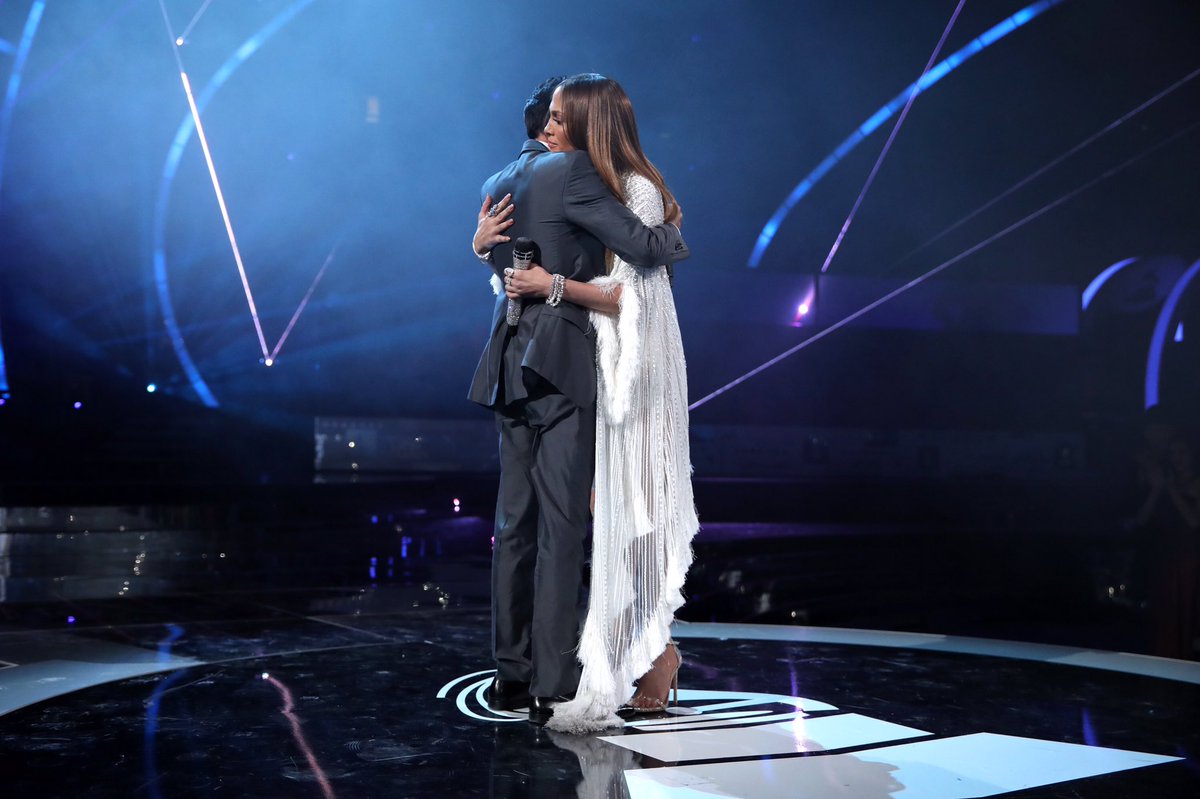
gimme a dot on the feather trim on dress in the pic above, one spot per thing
(645, 517)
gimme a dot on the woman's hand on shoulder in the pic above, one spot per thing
(493, 221)
(676, 217)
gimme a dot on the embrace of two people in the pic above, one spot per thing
(589, 392)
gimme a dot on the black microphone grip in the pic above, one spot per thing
(522, 258)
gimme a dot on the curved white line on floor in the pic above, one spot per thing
(1124, 662)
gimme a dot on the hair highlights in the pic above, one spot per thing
(598, 117)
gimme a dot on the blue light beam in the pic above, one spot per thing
(912, 95)
(947, 264)
(6, 117)
(945, 67)
(1093, 288)
(1162, 329)
(14, 79)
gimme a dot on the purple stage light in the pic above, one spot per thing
(1160, 331)
(77, 405)
(804, 308)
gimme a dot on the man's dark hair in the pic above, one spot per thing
(537, 107)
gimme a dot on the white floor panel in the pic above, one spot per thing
(787, 737)
(968, 766)
(58, 663)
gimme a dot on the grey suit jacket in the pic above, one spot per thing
(568, 212)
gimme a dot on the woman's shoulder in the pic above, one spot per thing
(633, 181)
(639, 189)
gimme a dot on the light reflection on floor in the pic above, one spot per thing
(780, 711)
(947, 768)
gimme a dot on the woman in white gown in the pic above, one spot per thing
(645, 517)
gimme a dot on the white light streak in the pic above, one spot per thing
(212, 172)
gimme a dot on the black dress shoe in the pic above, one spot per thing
(507, 694)
(541, 708)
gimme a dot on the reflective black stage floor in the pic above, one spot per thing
(375, 692)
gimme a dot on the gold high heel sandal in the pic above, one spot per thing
(656, 705)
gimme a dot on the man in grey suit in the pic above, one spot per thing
(540, 379)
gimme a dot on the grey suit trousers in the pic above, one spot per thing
(547, 454)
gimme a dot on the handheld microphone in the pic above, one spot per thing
(522, 258)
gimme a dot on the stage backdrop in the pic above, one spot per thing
(1051, 141)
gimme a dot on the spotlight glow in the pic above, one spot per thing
(151, 388)
(77, 405)
(804, 308)
(269, 362)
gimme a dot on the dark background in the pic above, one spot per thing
(368, 127)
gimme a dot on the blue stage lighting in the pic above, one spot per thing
(14, 77)
(936, 73)
(1090, 292)
(1159, 339)
(174, 155)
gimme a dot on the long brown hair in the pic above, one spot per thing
(599, 119)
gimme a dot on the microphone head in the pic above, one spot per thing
(523, 245)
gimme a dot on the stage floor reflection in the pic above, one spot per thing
(356, 693)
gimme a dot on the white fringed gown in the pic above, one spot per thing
(645, 516)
